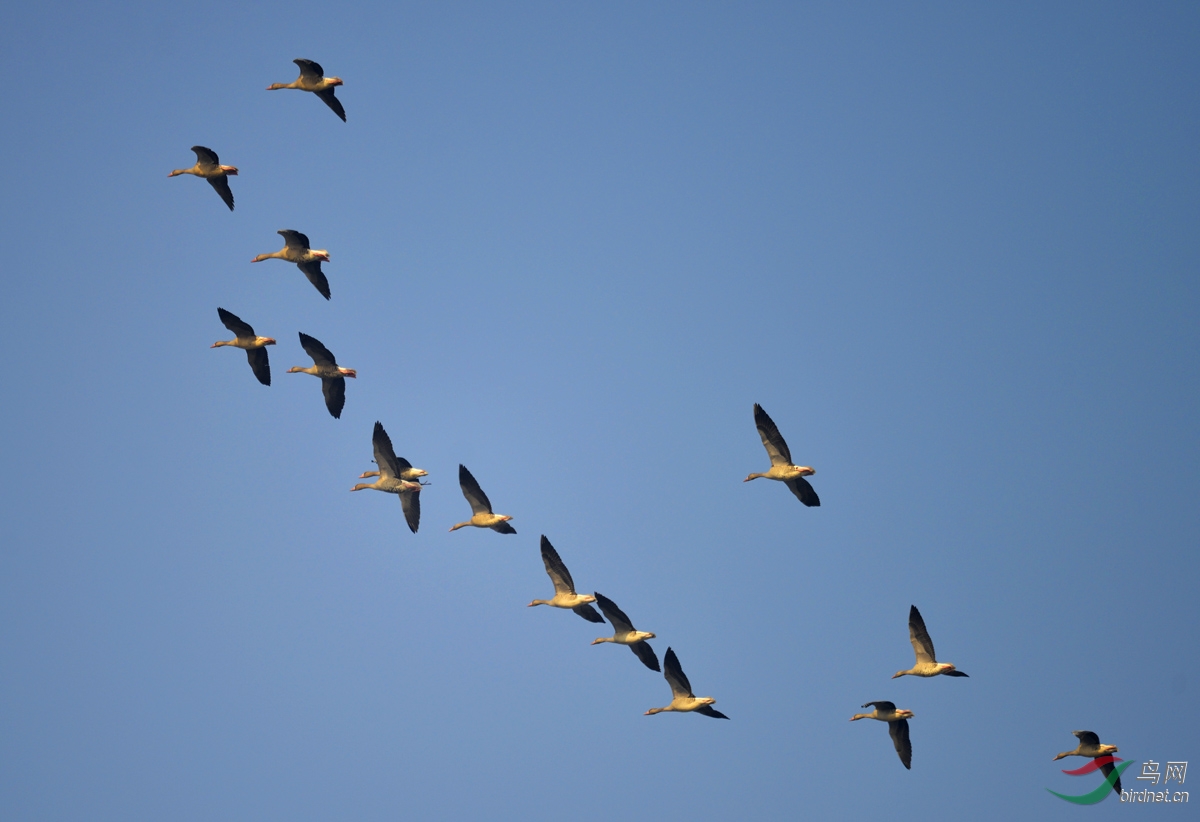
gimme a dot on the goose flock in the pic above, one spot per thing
(396, 475)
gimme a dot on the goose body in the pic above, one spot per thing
(782, 468)
(252, 344)
(296, 250)
(624, 633)
(312, 78)
(1089, 746)
(210, 168)
(897, 721)
(333, 377)
(481, 507)
(927, 664)
(564, 587)
(682, 698)
(396, 476)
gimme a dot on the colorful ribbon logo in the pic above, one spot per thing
(1095, 796)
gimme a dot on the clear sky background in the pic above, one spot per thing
(953, 250)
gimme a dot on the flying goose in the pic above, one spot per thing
(245, 338)
(897, 721)
(296, 250)
(927, 664)
(210, 168)
(782, 468)
(682, 698)
(1089, 745)
(312, 78)
(482, 516)
(564, 586)
(624, 634)
(333, 382)
(396, 476)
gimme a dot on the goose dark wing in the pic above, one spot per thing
(259, 364)
(772, 440)
(294, 239)
(312, 270)
(310, 70)
(319, 353)
(883, 706)
(675, 676)
(206, 156)
(615, 615)
(709, 710)
(411, 502)
(919, 637)
(503, 528)
(474, 494)
(645, 653)
(240, 328)
(221, 185)
(898, 730)
(333, 102)
(1108, 768)
(385, 456)
(803, 491)
(588, 612)
(334, 389)
(556, 569)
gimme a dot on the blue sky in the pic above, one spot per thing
(951, 249)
